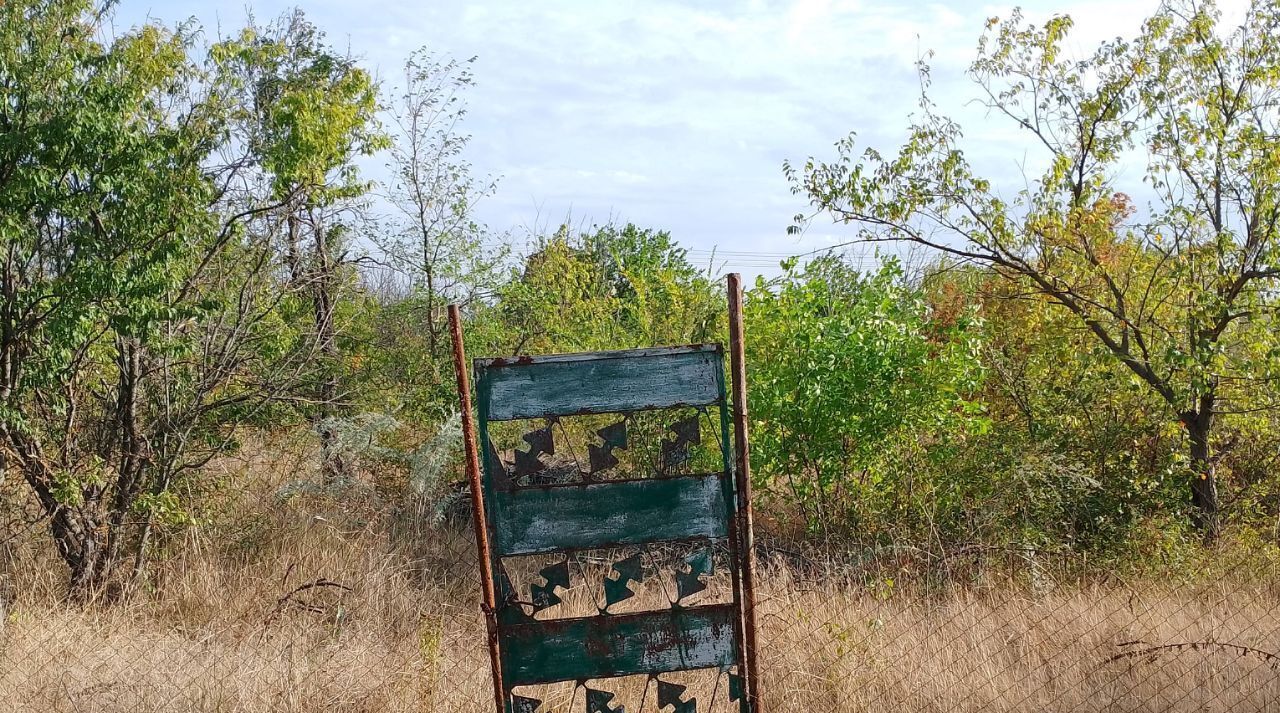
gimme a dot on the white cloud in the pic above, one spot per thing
(678, 114)
(802, 16)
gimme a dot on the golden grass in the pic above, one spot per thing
(212, 633)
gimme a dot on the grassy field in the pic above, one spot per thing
(390, 623)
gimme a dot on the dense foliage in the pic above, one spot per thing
(1180, 290)
(828, 340)
(188, 252)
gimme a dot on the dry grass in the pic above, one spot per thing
(214, 634)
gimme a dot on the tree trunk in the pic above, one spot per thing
(324, 286)
(76, 535)
(132, 464)
(1204, 484)
(74, 528)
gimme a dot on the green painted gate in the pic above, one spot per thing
(704, 512)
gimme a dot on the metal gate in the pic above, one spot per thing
(518, 515)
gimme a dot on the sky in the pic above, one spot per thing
(679, 115)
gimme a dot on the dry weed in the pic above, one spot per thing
(230, 625)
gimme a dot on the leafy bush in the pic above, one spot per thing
(850, 378)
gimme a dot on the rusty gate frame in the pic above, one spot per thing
(739, 526)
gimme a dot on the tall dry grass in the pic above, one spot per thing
(390, 623)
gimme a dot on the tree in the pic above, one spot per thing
(101, 190)
(660, 297)
(311, 113)
(1181, 291)
(433, 251)
(143, 315)
(610, 288)
(1077, 453)
(434, 238)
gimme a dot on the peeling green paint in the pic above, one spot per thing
(570, 517)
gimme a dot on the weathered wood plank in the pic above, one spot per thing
(562, 517)
(618, 645)
(605, 382)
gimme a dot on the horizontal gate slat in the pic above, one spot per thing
(608, 382)
(566, 517)
(618, 645)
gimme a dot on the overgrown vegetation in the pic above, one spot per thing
(190, 256)
(1180, 288)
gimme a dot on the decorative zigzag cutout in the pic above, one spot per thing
(701, 563)
(544, 595)
(669, 694)
(540, 441)
(675, 451)
(598, 702)
(629, 570)
(614, 436)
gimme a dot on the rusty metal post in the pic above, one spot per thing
(742, 454)
(489, 598)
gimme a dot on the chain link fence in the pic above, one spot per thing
(977, 629)
(289, 598)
